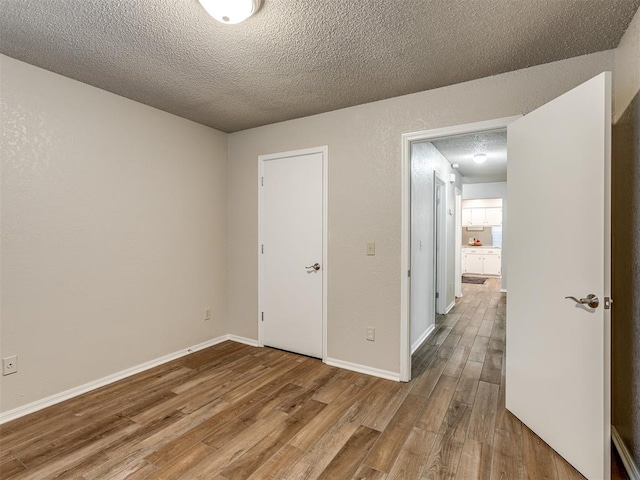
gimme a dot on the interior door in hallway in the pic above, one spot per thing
(292, 251)
(558, 350)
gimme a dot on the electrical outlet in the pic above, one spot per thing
(371, 334)
(371, 248)
(9, 365)
(207, 314)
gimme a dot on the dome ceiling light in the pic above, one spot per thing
(231, 11)
(480, 158)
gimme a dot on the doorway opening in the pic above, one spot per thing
(431, 241)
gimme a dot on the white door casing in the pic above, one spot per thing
(558, 352)
(440, 243)
(458, 243)
(405, 222)
(292, 236)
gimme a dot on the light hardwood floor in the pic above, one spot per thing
(235, 412)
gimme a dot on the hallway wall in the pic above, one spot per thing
(626, 241)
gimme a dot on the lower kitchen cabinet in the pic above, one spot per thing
(481, 261)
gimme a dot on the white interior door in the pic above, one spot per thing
(558, 353)
(292, 252)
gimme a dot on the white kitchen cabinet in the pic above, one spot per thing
(493, 216)
(491, 265)
(466, 217)
(481, 217)
(480, 261)
(472, 263)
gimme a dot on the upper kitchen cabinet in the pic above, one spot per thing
(481, 217)
(493, 216)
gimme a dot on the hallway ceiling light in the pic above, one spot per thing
(231, 11)
(480, 158)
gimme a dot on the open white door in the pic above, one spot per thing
(558, 353)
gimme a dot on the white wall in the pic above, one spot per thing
(364, 195)
(425, 159)
(113, 232)
(473, 191)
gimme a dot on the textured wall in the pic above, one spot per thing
(364, 195)
(113, 232)
(626, 277)
(626, 241)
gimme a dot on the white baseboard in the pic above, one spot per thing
(101, 382)
(376, 372)
(245, 340)
(114, 377)
(627, 460)
(422, 338)
(453, 304)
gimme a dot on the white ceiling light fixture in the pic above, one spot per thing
(480, 158)
(231, 11)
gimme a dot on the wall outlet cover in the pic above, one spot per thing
(371, 248)
(9, 365)
(371, 334)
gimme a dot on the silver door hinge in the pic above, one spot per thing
(262, 181)
(608, 301)
(437, 295)
(263, 316)
(409, 273)
(262, 248)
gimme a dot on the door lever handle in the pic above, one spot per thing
(315, 266)
(591, 300)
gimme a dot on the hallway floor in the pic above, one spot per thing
(477, 436)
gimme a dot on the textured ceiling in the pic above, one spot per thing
(460, 150)
(297, 57)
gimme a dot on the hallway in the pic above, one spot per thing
(463, 364)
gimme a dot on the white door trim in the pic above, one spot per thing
(440, 238)
(458, 236)
(405, 222)
(324, 151)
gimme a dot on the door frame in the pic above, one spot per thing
(458, 236)
(405, 222)
(440, 238)
(324, 151)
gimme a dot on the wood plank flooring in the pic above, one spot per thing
(235, 412)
